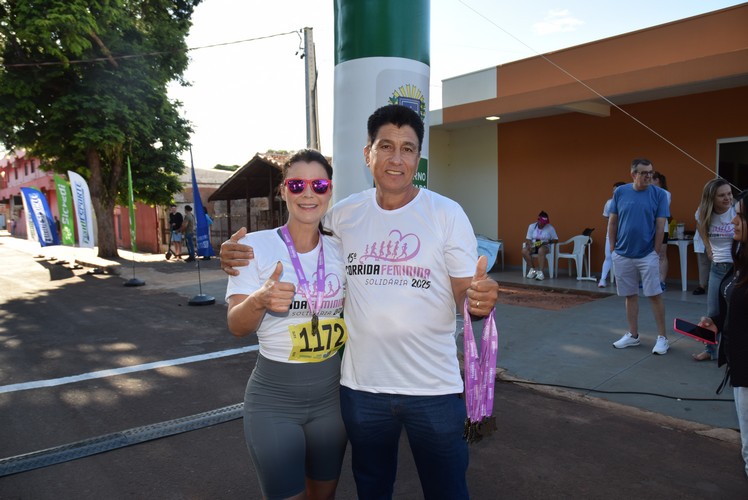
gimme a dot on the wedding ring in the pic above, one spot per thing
(477, 304)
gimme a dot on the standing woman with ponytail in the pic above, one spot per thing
(732, 322)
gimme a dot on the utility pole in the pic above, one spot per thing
(312, 117)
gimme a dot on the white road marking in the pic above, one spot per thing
(24, 386)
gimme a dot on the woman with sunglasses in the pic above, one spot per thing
(291, 295)
(732, 321)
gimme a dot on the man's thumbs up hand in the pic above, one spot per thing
(483, 292)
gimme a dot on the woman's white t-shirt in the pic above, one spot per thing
(269, 248)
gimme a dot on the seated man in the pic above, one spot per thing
(540, 235)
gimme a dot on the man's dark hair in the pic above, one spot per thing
(188, 208)
(639, 161)
(398, 115)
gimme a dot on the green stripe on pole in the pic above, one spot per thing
(382, 28)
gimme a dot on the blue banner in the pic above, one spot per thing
(41, 216)
(204, 248)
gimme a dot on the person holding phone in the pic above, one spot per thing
(731, 320)
(291, 295)
(715, 230)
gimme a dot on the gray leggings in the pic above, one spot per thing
(292, 424)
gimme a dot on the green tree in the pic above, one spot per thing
(83, 84)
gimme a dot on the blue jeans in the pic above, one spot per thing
(716, 273)
(189, 238)
(434, 426)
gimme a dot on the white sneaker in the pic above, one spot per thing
(627, 340)
(661, 346)
(540, 276)
(602, 284)
(531, 274)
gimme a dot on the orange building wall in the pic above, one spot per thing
(567, 164)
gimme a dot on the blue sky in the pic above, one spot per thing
(248, 97)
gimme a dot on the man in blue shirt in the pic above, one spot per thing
(638, 214)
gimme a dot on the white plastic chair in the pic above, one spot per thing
(550, 257)
(577, 254)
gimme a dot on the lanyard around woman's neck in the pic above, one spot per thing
(314, 302)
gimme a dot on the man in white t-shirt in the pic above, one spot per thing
(410, 256)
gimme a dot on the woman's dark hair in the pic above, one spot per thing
(398, 115)
(308, 156)
(660, 177)
(739, 248)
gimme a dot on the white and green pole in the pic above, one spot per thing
(381, 57)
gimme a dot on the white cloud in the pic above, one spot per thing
(557, 21)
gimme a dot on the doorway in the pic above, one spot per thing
(732, 161)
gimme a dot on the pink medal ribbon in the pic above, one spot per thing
(480, 377)
(314, 302)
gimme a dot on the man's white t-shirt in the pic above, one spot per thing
(269, 248)
(400, 308)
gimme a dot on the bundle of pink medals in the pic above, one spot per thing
(480, 376)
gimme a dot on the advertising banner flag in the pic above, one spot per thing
(204, 248)
(65, 208)
(131, 201)
(41, 216)
(30, 231)
(83, 209)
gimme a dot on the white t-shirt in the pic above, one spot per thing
(546, 234)
(606, 208)
(400, 309)
(720, 232)
(269, 248)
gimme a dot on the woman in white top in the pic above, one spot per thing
(659, 180)
(608, 262)
(715, 229)
(291, 295)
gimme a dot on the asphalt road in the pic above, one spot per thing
(57, 323)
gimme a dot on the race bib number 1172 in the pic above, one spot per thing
(309, 346)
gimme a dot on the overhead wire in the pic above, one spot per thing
(591, 89)
(146, 54)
